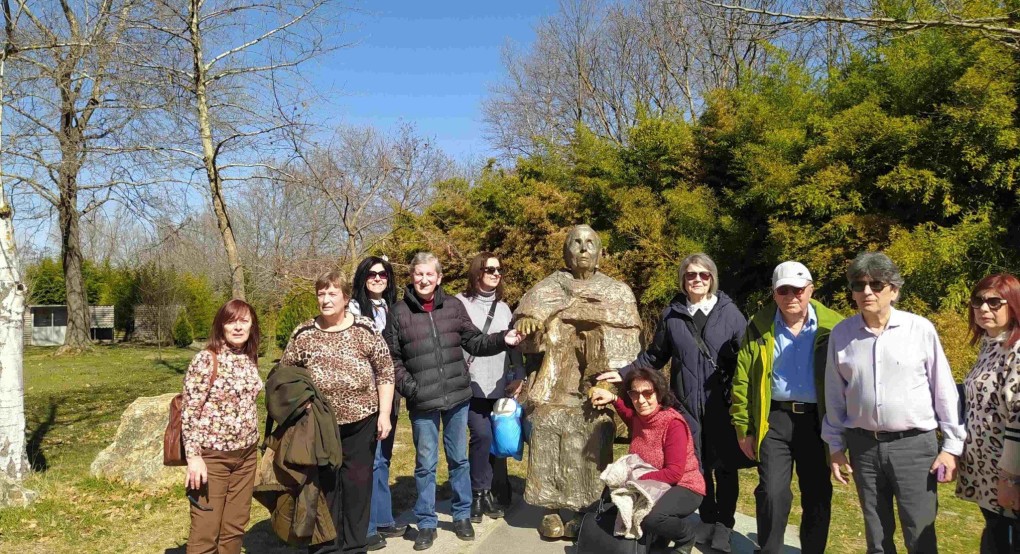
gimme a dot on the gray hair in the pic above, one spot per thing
(701, 259)
(422, 258)
(874, 265)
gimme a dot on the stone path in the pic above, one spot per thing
(517, 534)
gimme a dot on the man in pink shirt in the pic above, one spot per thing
(888, 387)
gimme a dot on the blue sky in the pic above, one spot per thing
(427, 63)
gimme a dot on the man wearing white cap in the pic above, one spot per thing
(778, 407)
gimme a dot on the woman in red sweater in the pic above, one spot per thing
(661, 436)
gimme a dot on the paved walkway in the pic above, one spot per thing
(517, 533)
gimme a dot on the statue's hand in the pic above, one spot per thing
(528, 326)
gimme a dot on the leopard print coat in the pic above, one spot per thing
(993, 409)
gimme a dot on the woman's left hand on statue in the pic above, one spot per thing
(514, 388)
(610, 377)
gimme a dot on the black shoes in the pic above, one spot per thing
(425, 538)
(490, 507)
(483, 503)
(686, 548)
(463, 529)
(392, 531)
(476, 506)
(375, 542)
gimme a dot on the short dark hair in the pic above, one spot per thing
(475, 273)
(658, 381)
(1008, 288)
(335, 278)
(232, 311)
(360, 294)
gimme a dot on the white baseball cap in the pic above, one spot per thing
(790, 273)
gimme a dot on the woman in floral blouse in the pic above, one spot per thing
(351, 367)
(220, 432)
(990, 466)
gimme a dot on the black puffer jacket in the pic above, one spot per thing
(426, 349)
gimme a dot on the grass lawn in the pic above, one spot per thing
(73, 408)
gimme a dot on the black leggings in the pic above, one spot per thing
(671, 518)
(999, 532)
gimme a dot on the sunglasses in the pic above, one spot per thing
(703, 275)
(635, 394)
(194, 501)
(377, 275)
(993, 303)
(787, 290)
(492, 270)
(876, 286)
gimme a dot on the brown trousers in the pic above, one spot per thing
(228, 492)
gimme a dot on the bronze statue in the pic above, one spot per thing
(585, 323)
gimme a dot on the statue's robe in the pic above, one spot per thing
(590, 326)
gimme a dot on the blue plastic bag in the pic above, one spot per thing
(507, 433)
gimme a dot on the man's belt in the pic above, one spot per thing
(794, 407)
(886, 436)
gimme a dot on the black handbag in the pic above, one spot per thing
(596, 533)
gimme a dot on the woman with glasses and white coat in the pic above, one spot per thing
(492, 378)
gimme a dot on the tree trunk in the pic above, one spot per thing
(212, 171)
(13, 457)
(78, 337)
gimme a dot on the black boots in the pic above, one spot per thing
(462, 528)
(483, 503)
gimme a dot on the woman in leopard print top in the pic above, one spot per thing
(990, 466)
(350, 365)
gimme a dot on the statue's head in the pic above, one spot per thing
(582, 250)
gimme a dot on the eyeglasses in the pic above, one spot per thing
(377, 275)
(876, 286)
(703, 275)
(492, 270)
(635, 394)
(994, 303)
(787, 290)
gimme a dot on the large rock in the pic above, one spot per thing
(136, 455)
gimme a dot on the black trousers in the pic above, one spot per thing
(1001, 534)
(793, 440)
(485, 468)
(671, 517)
(722, 484)
(348, 488)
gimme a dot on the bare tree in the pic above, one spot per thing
(999, 24)
(13, 448)
(601, 65)
(75, 106)
(223, 57)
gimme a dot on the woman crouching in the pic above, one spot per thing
(662, 438)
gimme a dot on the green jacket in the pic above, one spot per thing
(752, 381)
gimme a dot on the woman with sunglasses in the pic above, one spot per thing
(660, 435)
(700, 332)
(220, 430)
(375, 286)
(492, 378)
(989, 469)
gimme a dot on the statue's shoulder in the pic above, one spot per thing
(615, 286)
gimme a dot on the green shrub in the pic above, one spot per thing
(298, 307)
(184, 335)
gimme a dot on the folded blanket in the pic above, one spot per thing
(633, 497)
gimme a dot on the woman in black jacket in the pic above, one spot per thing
(426, 332)
(700, 333)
